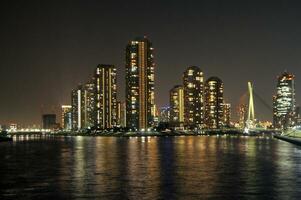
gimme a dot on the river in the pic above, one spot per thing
(184, 167)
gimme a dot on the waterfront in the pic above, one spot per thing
(184, 167)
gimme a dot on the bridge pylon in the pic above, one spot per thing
(251, 121)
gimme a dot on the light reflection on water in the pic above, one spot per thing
(150, 168)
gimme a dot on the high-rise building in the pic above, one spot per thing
(164, 114)
(284, 102)
(214, 103)
(226, 114)
(298, 115)
(193, 84)
(118, 113)
(140, 95)
(121, 114)
(89, 104)
(242, 110)
(176, 102)
(66, 117)
(49, 121)
(78, 108)
(106, 96)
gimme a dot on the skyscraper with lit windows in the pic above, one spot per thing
(78, 107)
(106, 96)
(89, 104)
(66, 123)
(214, 92)
(193, 84)
(140, 95)
(284, 103)
(176, 102)
(226, 114)
(83, 106)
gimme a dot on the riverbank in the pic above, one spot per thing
(145, 134)
(296, 141)
(148, 133)
(161, 134)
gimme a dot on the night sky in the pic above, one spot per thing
(48, 47)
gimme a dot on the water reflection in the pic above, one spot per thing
(204, 167)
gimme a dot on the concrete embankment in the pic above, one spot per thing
(292, 140)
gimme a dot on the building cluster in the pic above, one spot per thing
(195, 104)
(198, 103)
(94, 104)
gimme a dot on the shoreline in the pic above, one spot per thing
(296, 141)
(145, 134)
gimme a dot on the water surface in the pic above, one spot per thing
(191, 167)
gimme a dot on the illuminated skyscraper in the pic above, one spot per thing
(242, 109)
(140, 96)
(176, 101)
(89, 103)
(214, 103)
(284, 102)
(226, 114)
(106, 96)
(66, 117)
(193, 83)
(83, 106)
(78, 108)
(121, 114)
(298, 116)
(164, 114)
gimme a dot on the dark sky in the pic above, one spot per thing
(48, 47)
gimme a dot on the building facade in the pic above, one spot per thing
(226, 115)
(284, 103)
(140, 95)
(66, 121)
(89, 104)
(164, 114)
(298, 116)
(78, 108)
(193, 84)
(214, 91)
(49, 121)
(176, 102)
(106, 96)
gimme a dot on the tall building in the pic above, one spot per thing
(78, 108)
(242, 110)
(89, 99)
(164, 114)
(106, 96)
(121, 114)
(176, 102)
(66, 117)
(140, 95)
(193, 83)
(226, 114)
(298, 115)
(284, 102)
(49, 121)
(214, 103)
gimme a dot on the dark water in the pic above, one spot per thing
(150, 168)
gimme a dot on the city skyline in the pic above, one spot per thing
(64, 64)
